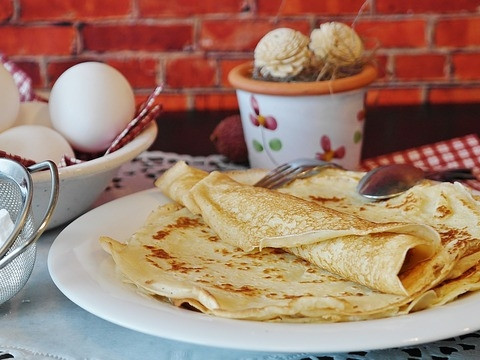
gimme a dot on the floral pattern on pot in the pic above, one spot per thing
(328, 153)
(358, 135)
(264, 122)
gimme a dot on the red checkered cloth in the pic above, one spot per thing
(22, 80)
(460, 152)
(147, 113)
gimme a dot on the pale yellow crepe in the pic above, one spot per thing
(313, 251)
(175, 255)
(379, 255)
(450, 208)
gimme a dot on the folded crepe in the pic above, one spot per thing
(178, 258)
(392, 257)
(450, 208)
(312, 251)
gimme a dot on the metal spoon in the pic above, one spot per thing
(385, 182)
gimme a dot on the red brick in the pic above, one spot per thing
(190, 72)
(226, 66)
(140, 73)
(465, 66)
(216, 101)
(74, 9)
(57, 68)
(425, 6)
(381, 62)
(173, 102)
(230, 30)
(398, 96)
(457, 95)
(301, 7)
(38, 40)
(168, 102)
(410, 67)
(155, 8)
(6, 9)
(458, 32)
(223, 35)
(394, 33)
(174, 37)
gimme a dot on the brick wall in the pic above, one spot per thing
(428, 50)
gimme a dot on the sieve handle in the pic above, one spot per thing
(54, 189)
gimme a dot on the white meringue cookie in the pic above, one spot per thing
(282, 53)
(335, 43)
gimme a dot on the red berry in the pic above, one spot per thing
(228, 139)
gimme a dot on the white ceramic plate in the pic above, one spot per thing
(85, 274)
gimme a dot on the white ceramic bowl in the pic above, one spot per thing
(82, 184)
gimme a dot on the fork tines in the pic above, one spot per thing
(279, 176)
(292, 170)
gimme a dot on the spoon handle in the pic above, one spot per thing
(450, 174)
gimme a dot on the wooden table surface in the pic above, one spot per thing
(387, 129)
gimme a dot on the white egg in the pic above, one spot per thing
(35, 142)
(33, 113)
(9, 99)
(90, 104)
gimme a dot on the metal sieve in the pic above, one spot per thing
(17, 253)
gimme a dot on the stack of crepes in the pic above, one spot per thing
(313, 251)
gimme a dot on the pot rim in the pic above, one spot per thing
(240, 78)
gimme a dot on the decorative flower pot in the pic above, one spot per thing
(284, 121)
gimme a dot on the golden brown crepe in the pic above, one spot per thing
(312, 251)
(450, 208)
(378, 255)
(175, 255)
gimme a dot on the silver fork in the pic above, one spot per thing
(296, 169)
